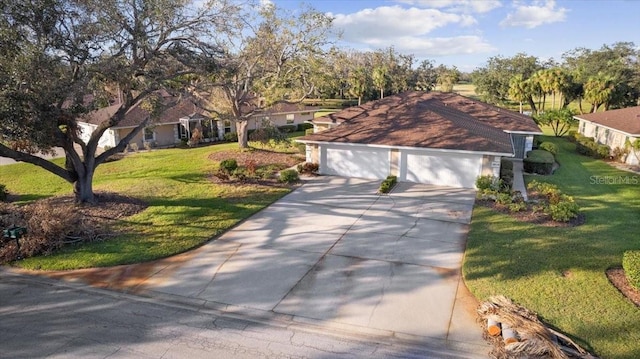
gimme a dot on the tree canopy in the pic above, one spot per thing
(61, 59)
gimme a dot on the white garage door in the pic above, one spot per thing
(359, 162)
(441, 168)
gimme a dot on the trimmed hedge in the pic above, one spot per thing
(587, 146)
(387, 184)
(549, 147)
(506, 173)
(631, 265)
(304, 126)
(539, 161)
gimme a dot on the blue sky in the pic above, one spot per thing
(465, 33)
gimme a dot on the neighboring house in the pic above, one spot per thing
(282, 115)
(425, 137)
(174, 124)
(613, 128)
(178, 122)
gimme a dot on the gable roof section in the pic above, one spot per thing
(427, 120)
(625, 119)
(171, 115)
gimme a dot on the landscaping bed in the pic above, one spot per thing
(560, 272)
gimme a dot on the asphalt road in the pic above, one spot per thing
(48, 318)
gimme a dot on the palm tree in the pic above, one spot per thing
(379, 77)
(358, 83)
(544, 83)
(598, 91)
(559, 81)
(519, 89)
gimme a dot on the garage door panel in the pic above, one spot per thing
(357, 162)
(444, 169)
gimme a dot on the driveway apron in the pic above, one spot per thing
(335, 252)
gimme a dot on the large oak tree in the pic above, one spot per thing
(61, 59)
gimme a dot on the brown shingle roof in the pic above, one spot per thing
(625, 119)
(427, 120)
(182, 108)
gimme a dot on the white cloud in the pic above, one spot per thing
(407, 31)
(539, 13)
(441, 46)
(387, 22)
(478, 6)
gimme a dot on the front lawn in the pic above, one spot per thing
(186, 206)
(559, 272)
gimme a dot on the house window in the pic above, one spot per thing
(606, 136)
(581, 127)
(595, 133)
(227, 126)
(149, 134)
(290, 118)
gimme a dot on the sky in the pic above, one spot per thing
(466, 33)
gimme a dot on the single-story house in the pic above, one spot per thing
(174, 124)
(424, 137)
(613, 128)
(177, 123)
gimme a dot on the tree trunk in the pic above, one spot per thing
(243, 129)
(532, 104)
(83, 187)
(381, 93)
(359, 100)
(520, 106)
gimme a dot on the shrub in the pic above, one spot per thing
(288, 128)
(506, 173)
(504, 198)
(133, 147)
(308, 131)
(308, 167)
(517, 206)
(547, 190)
(305, 126)
(229, 165)
(539, 161)
(289, 176)
(631, 265)
(231, 137)
(549, 147)
(572, 135)
(387, 184)
(603, 151)
(564, 210)
(3, 192)
(488, 182)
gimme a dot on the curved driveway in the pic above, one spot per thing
(336, 254)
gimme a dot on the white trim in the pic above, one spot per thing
(426, 149)
(524, 132)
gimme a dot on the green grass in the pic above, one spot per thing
(185, 208)
(560, 272)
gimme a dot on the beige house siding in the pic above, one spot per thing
(394, 163)
(609, 137)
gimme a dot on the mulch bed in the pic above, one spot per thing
(257, 158)
(260, 157)
(529, 216)
(619, 280)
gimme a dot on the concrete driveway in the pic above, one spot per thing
(334, 253)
